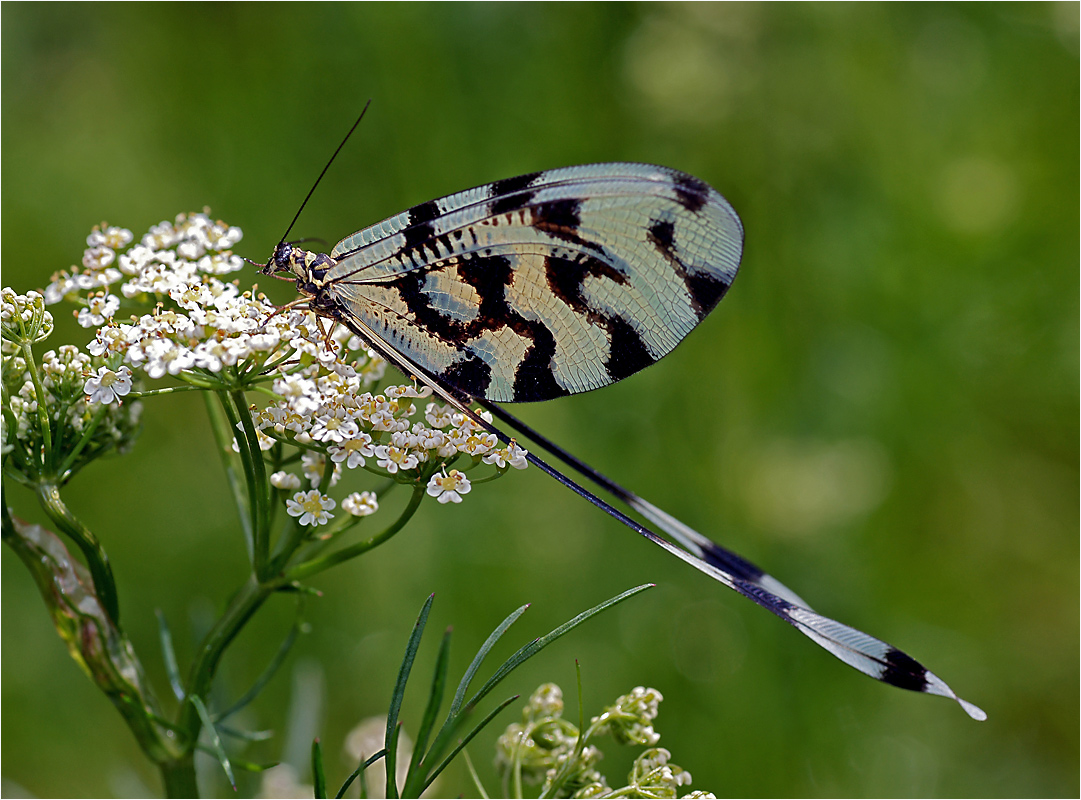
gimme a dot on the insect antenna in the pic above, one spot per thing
(307, 239)
(324, 172)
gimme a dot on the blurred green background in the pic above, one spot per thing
(883, 413)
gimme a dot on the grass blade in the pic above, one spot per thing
(465, 740)
(534, 647)
(319, 778)
(244, 736)
(223, 437)
(391, 739)
(169, 656)
(391, 763)
(453, 719)
(489, 643)
(435, 700)
(268, 673)
(473, 774)
(215, 740)
(359, 772)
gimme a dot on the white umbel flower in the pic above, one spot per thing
(105, 386)
(448, 487)
(312, 507)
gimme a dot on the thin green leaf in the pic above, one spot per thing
(391, 738)
(581, 703)
(534, 647)
(319, 778)
(489, 643)
(246, 766)
(215, 741)
(554, 788)
(169, 656)
(435, 699)
(251, 766)
(244, 736)
(359, 772)
(454, 721)
(268, 673)
(465, 740)
(223, 437)
(392, 774)
(473, 774)
(235, 406)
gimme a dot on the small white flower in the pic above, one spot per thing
(449, 487)
(98, 257)
(438, 416)
(403, 440)
(112, 236)
(383, 420)
(104, 386)
(99, 307)
(211, 355)
(361, 504)
(512, 454)
(428, 438)
(393, 458)
(163, 355)
(478, 444)
(352, 451)
(517, 455)
(312, 507)
(333, 426)
(61, 285)
(284, 480)
(314, 464)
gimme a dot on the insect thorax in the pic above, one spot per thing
(307, 267)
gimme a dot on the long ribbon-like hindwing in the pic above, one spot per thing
(555, 283)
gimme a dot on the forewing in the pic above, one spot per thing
(547, 284)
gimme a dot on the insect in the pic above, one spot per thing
(554, 283)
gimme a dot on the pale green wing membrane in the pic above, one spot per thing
(543, 285)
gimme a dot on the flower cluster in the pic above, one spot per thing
(23, 319)
(207, 332)
(171, 256)
(544, 742)
(59, 412)
(651, 776)
(630, 718)
(195, 322)
(544, 746)
(325, 408)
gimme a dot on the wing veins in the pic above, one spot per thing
(472, 206)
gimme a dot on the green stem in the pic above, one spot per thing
(259, 537)
(258, 487)
(43, 406)
(288, 542)
(87, 433)
(316, 565)
(241, 608)
(223, 436)
(179, 776)
(166, 390)
(96, 558)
